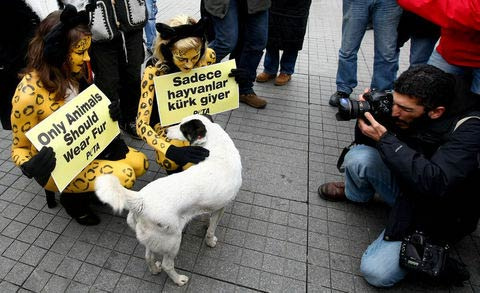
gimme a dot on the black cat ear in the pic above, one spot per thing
(166, 32)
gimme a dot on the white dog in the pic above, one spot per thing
(160, 210)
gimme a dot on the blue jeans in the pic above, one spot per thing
(243, 37)
(150, 31)
(366, 173)
(421, 49)
(437, 60)
(380, 263)
(385, 16)
(287, 61)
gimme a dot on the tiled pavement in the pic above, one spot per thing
(277, 236)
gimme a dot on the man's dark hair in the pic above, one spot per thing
(430, 85)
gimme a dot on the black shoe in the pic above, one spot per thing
(130, 129)
(88, 219)
(334, 99)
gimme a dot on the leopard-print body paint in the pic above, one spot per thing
(156, 137)
(31, 104)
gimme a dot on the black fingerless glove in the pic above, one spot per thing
(184, 155)
(40, 166)
(114, 110)
(241, 75)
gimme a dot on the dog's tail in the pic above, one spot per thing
(110, 191)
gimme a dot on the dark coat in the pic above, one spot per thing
(287, 24)
(18, 23)
(412, 25)
(439, 173)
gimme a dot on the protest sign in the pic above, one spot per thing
(78, 132)
(203, 90)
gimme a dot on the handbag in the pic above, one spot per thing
(103, 21)
(131, 14)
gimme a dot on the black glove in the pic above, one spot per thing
(184, 155)
(241, 75)
(116, 150)
(114, 110)
(40, 166)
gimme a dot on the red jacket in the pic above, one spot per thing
(460, 27)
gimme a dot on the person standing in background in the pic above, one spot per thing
(150, 31)
(385, 15)
(287, 25)
(240, 29)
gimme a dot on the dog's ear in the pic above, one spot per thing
(193, 130)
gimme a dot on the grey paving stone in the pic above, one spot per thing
(56, 284)
(80, 250)
(117, 261)
(19, 273)
(50, 261)
(255, 242)
(63, 244)
(26, 215)
(46, 239)
(98, 255)
(76, 287)
(58, 224)
(106, 280)
(136, 267)
(90, 235)
(87, 274)
(13, 229)
(42, 220)
(68, 267)
(16, 250)
(37, 280)
(33, 255)
(5, 243)
(216, 268)
(29, 234)
(108, 239)
(127, 284)
(342, 281)
(6, 265)
(126, 244)
(248, 277)
(8, 287)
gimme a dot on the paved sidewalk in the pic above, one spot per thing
(278, 235)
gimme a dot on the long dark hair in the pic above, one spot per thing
(55, 77)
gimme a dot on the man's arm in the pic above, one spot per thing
(455, 14)
(449, 165)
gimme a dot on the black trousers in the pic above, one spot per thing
(117, 74)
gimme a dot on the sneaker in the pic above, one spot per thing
(283, 79)
(253, 100)
(332, 191)
(264, 77)
(335, 98)
(130, 129)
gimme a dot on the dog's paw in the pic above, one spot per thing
(181, 280)
(211, 241)
(155, 268)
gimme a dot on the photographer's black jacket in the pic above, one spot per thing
(439, 175)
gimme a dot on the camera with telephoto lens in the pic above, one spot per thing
(378, 103)
(418, 253)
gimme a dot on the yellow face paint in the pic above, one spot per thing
(79, 54)
(186, 60)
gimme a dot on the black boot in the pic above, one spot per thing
(77, 206)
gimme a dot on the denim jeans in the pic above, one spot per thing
(150, 31)
(287, 61)
(380, 263)
(366, 173)
(421, 49)
(437, 60)
(385, 16)
(243, 37)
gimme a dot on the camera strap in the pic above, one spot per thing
(345, 150)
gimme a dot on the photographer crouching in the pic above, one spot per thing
(422, 159)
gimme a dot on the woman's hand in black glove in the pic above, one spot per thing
(114, 110)
(241, 75)
(40, 166)
(184, 155)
